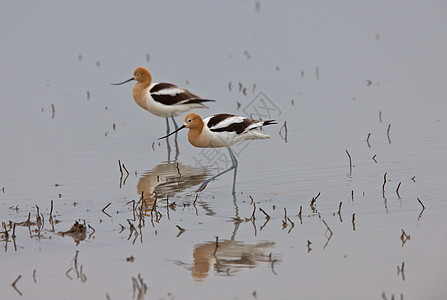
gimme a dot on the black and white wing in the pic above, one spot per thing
(170, 94)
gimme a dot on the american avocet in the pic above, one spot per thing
(222, 130)
(162, 99)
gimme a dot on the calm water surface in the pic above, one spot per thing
(332, 73)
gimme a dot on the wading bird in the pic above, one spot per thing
(162, 99)
(222, 130)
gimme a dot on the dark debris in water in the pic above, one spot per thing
(78, 232)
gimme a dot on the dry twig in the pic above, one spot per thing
(14, 285)
(350, 162)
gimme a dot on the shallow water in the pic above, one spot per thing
(335, 73)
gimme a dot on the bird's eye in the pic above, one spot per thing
(189, 120)
(137, 75)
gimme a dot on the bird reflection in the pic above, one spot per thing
(227, 257)
(167, 179)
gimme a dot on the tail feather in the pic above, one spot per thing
(257, 130)
(199, 100)
(269, 122)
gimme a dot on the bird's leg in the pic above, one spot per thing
(177, 152)
(175, 123)
(167, 126)
(167, 140)
(233, 166)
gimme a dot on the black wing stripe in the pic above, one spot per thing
(234, 127)
(199, 101)
(163, 86)
(216, 119)
(170, 100)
